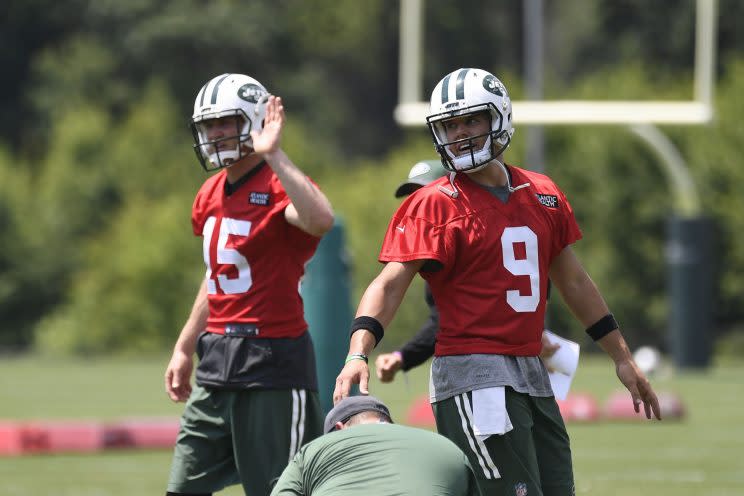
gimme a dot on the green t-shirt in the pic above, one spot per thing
(378, 459)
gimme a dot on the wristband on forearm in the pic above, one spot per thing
(370, 324)
(356, 356)
(602, 327)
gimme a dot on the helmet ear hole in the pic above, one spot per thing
(260, 106)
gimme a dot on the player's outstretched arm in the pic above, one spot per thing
(310, 210)
(583, 298)
(630, 375)
(380, 302)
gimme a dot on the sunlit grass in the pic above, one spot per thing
(701, 454)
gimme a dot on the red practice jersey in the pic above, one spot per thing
(491, 290)
(254, 257)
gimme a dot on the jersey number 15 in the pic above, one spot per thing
(227, 256)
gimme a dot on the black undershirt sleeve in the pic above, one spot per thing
(421, 346)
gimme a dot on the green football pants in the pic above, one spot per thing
(533, 459)
(241, 437)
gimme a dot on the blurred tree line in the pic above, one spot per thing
(96, 250)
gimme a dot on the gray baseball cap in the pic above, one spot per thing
(350, 406)
(422, 173)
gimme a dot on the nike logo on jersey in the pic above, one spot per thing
(550, 201)
(401, 228)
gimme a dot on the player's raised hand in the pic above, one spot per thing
(268, 140)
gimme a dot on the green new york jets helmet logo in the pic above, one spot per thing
(251, 92)
(493, 85)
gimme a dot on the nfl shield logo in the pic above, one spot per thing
(520, 489)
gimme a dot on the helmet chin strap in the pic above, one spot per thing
(508, 179)
(506, 174)
(509, 186)
(454, 193)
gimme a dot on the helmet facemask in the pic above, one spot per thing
(222, 151)
(496, 140)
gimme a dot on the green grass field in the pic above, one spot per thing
(700, 455)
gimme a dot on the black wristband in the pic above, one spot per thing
(370, 324)
(602, 327)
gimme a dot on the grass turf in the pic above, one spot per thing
(702, 454)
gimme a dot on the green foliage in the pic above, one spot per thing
(137, 272)
(58, 91)
(714, 153)
(364, 197)
(729, 348)
(51, 213)
(333, 28)
(140, 280)
(98, 175)
(621, 201)
(19, 298)
(118, 194)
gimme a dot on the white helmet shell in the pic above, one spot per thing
(225, 96)
(468, 91)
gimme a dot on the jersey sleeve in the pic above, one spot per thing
(569, 228)
(302, 243)
(414, 233)
(421, 346)
(197, 214)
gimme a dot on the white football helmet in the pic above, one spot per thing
(464, 92)
(224, 96)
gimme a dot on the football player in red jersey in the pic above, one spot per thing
(421, 346)
(255, 401)
(487, 238)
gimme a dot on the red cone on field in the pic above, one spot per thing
(619, 406)
(579, 407)
(420, 413)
